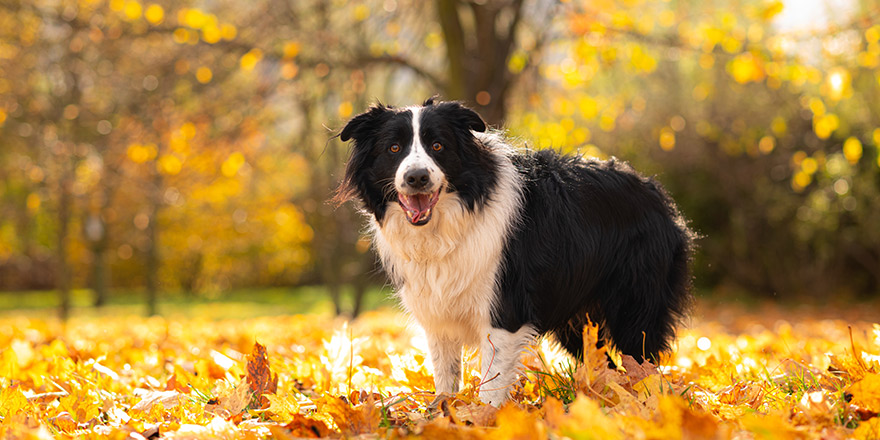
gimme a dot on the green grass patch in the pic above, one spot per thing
(238, 303)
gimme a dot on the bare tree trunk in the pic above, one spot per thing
(477, 72)
(65, 201)
(95, 233)
(153, 246)
(360, 290)
(99, 274)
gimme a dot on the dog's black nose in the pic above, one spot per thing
(417, 178)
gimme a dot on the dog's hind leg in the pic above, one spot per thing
(500, 363)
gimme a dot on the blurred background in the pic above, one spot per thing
(159, 153)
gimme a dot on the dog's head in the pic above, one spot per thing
(413, 156)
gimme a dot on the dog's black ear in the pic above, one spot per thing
(469, 118)
(430, 101)
(363, 123)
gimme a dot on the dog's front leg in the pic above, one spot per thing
(446, 357)
(500, 362)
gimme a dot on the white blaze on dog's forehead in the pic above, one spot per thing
(418, 157)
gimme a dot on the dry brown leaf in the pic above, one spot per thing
(742, 393)
(259, 377)
(636, 371)
(232, 404)
(302, 426)
(475, 414)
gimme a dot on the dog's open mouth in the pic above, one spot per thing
(418, 207)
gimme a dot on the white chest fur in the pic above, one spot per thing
(445, 271)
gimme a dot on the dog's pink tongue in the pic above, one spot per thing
(421, 201)
(417, 206)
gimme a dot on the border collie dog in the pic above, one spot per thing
(491, 247)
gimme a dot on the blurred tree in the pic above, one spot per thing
(184, 145)
(746, 127)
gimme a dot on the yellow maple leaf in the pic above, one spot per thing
(594, 372)
(868, 430)
(351, 421)
(283, 406)
(866, 392)
(515, 423)
(585, 420)
(769, 427)
(12, 401)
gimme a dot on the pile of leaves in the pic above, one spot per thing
(731, 376)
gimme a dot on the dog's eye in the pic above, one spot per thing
(394, 148)
(437, 146)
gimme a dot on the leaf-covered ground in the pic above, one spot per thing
(736, 373)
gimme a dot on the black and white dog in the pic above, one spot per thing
(490, 246)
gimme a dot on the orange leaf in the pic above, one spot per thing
(174, 385)
(63, 421)
(259, 377)
(361, 419)
(302, 426)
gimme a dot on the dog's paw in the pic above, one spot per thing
(440, 402)
(495, 398)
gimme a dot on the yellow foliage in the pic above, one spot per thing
(169, 164)
(772, 9)
(852, 149)
(746, 68)
(12, 401)
(186, 375)
(838, 84)
(345, 109)
(139, 153)
(33, 203)
(228, 31)
(132, 10)
(801, 180)
(232, 164)
(766, 144)
(826, 124)
(361, 12)
(249, 60)
(667, 139)
(204, 74)
(291, 49)
(211, 34)
(154, 14)
(809, 165)
(180, 35)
